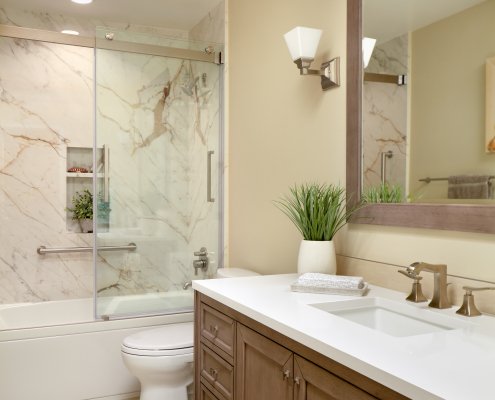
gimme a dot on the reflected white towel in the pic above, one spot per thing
(317, 280)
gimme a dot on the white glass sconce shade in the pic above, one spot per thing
(368, 46)
(302, 42)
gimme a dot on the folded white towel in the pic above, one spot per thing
(318, 280)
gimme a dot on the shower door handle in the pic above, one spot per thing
(208, 177)
(106, 173)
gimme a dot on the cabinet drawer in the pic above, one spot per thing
(217, 372)
(217, 328)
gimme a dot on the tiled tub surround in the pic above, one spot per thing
(425, 366)
(385, 115)
(158, 179)
(46, 105)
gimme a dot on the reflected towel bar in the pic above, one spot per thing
(428, 179)
(43, 250)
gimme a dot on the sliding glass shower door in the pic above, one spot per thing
(158, 176)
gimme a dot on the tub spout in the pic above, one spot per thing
(187, 285)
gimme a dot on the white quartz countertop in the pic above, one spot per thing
(456, 364)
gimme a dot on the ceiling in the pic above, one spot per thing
(176, 14)
(387, 19)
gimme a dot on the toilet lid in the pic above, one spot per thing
(173, 339)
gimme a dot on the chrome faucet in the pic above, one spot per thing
(440, 299)
(202, 262)
(187, 285)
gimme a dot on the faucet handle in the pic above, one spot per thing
(416, 295)
(470, 289)
(468, 307)
(411, 274)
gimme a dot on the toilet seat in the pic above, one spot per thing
(168, 340)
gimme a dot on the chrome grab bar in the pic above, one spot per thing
(44, 250)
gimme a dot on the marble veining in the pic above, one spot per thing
(37, 81)
(159, 118)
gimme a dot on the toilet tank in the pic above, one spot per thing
(234, 273)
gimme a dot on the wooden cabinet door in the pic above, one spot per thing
(315, 383)
(264, 369)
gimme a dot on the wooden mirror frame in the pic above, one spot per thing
(455, 217)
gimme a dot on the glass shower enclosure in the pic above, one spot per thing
(157, 176)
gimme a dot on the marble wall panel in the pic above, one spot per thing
(212, 27)
(46, 98)
(86, 27)
(159, 117)
(158, 141)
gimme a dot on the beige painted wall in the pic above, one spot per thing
(448, 98)
(283, 129)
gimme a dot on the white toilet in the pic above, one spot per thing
(162, 360)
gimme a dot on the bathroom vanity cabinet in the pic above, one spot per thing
(239, 358)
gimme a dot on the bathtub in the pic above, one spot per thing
(70, 356)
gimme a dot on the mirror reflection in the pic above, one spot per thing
(429, 101)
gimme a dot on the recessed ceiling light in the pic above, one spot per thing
(70, 32)
(82, 1)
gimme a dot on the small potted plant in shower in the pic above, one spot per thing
(82, 210)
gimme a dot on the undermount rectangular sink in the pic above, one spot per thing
(391, 317)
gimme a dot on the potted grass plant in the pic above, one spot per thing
(82, 210)
(318, 211)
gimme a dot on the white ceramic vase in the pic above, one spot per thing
(86, 225)
(317, 256)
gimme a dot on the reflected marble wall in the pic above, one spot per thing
(46, 105)
(385, 115)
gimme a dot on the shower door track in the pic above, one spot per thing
(106, 44)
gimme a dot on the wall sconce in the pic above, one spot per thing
(302, 43)
(368, 46)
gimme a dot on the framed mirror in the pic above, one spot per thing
(432, 181)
